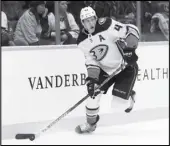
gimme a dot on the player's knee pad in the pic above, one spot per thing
(93, 103)
(92, 106)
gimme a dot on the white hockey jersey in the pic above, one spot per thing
(100, 48)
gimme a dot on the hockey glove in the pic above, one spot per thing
(128, 53)
(130, 57)
(92, 84)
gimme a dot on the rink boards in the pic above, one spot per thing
(41, 83)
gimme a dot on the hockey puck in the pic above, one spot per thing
(25, 136)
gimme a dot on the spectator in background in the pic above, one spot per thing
(126, 12)
(29, 29)
(75, 7)
(160, 20)
(69, 29)
(102, 8)
(4, 21)
(6, 37)
(13, 10)
(4, 28)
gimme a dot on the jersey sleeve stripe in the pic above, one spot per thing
(92, 66)
(92, 111)
(132, 30)
(133, 35)
(93, 73)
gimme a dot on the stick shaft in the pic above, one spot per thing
(77, 104)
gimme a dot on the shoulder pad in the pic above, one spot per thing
(103, 24)
(102, 20)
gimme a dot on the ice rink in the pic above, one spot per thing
(140, 133)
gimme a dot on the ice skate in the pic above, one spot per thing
(86, 127)
(132, 102)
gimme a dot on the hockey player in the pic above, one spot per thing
(107, 46)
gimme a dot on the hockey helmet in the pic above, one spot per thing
(87, 12)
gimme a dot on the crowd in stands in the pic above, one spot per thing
(26, 23)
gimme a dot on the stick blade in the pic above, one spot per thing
(25, 136)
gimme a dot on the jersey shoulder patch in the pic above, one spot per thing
(103, 24)
(102, 20)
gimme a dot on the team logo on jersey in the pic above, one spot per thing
(99, 52)
(102, 20)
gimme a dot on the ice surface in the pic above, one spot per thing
(150, 132)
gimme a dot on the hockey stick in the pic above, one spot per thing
(32, 136)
